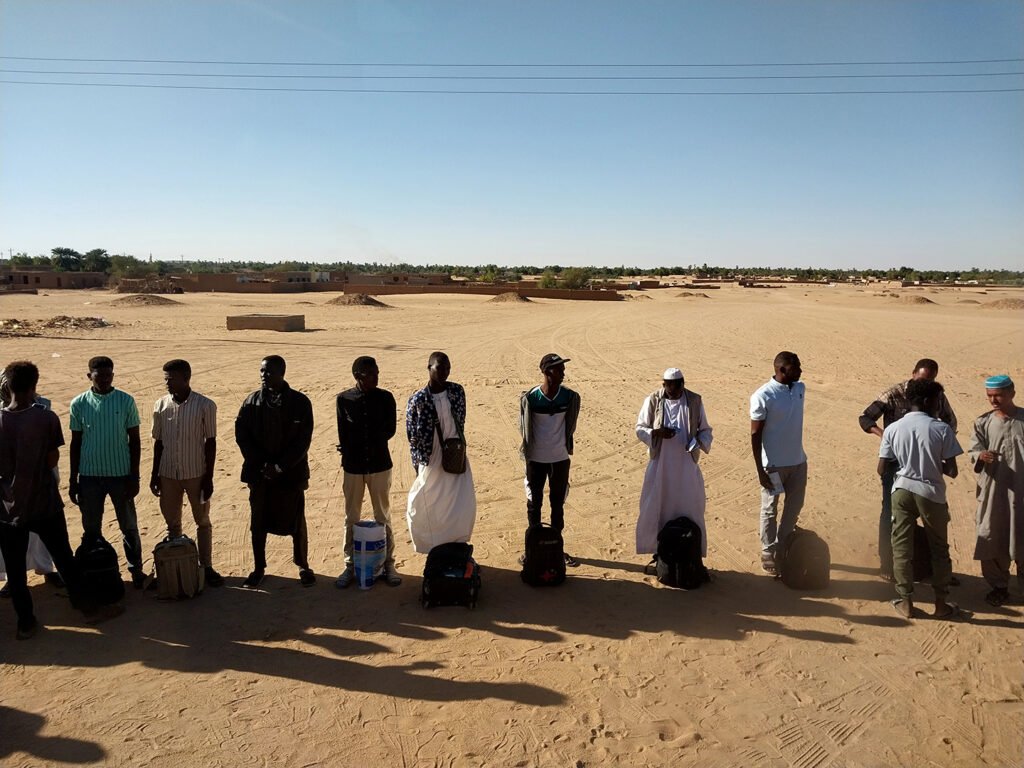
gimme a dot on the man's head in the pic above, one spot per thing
(272, 368)
(553, 368)
(177, 375)
(22, 378)
(925, 369)
(439, 366)
(672, 380)
(366, 373)
(1000, 393)
(787, 368)
(101, 374)
(923, 395)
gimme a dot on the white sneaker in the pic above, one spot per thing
(346, 578)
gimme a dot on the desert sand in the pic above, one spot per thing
(610, 669)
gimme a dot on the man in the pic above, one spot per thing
(997, 452)
(673, 426)
(776, 440)
(547, 422)
(105, 453)
(925, 449)
(184, 456)
(367, 417)
(273, 430)
(30, 441)
(891, 406)
(442, 505)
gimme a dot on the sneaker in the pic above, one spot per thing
(345, 578)
(54, 580)
(138, 577)
(253, 580)
(570, 561)
(522, 559)
(307, 578)
(768, 564)
(391, 576)
(998, 597)
(213, 579)
(651, 569)
(28, 631)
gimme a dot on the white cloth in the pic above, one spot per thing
(442, 506)
(673, 483)
(781, 408)
(920, 444)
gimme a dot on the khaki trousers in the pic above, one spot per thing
(379, 486)
(172, 497)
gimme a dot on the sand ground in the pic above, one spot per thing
(610, 669)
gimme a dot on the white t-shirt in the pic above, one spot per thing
(781, 408)
(547, 427)
(920, 444)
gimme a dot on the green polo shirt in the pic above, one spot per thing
(104, 421)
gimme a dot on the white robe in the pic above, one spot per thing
(442, 506)
(673, 484)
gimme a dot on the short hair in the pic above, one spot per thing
(362, 363)
(100, 361)
(928, 364)
(277, 361)
(178, 366)
(785, 358)
(920, 390)
(435, 356)
(22, 376)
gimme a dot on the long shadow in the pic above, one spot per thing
(21, 734)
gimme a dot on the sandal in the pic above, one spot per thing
(953, 612)
(904, 608)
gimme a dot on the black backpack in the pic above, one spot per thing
(544, 557)
(805, 561)
(451, 576)
(678, 560)
(98, 571)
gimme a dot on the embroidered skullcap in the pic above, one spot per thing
(1002, 381)
(672, 374)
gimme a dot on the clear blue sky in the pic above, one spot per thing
(870, 180)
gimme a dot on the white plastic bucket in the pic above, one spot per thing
(369, 547)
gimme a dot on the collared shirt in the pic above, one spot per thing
(184, 428)
(104, 421)
(920, 444)
(892, 405)
(781, 408)
(366, 422)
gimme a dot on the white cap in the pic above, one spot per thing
(672, 374)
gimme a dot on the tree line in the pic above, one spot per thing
(64, 259)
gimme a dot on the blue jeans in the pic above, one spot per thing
(92, 494)
(885, 520)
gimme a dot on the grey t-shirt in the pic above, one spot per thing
(27, 484)
(920, 444)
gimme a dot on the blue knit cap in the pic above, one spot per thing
(1002, 381)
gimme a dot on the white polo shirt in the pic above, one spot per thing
(781, 408)
(920, 444)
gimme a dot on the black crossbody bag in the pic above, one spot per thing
(453, 451)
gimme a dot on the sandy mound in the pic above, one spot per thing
(144, 300)
(968, 301)
(511, 297)
(64, 321)
(357, 300)
(638, 297)
(14, 327)
(915, 300)
(1004, 304)
(694, 294)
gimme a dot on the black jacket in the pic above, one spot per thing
(366, 421)
(279, 436)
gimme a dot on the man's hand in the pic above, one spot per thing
(133, 486)
(270, 471)
(154, 484)
(764, 480)
(876, 430)
(988, 457)
(73, 490)
(206, 487)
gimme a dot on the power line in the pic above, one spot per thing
(509, 77)
(438, 91)
(507, 65)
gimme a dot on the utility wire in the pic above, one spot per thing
(511, 92)
(507, 77)
(482, 65)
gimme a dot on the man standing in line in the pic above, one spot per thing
(547, 422)
(891, 406)
(367, 417)
(184, 455)
(997, 452)
(273, 430)
(105, 453)
(925, 449)
(30, 441)
(776, 440)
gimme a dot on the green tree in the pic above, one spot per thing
(548, 279)
(575, 278)
(96, 260)
(66, 259)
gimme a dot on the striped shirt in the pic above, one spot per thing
(104, 421)
(184, 428)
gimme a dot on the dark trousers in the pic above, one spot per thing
(14, 546)
(299, 547)
(92, 494)
(556, 474)
(282, 512)
(885, 520)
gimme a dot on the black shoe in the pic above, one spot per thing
(253, 580)
(998, 597)
(570, 561)
(307, 578)
(954, 581)
(138, 577)
(27, 631)
(54, 580)
(213, 579)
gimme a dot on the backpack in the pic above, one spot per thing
(678, 559)
(451, 576)
(922, 560)
(178, 573)
(544, 558)
(99, 572)
(805, 561)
